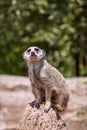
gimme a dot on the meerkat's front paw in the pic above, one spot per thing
(32, 103)
(47, 106)
(35, 104)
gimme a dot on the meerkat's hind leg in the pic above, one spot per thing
(60, 107)
(61, 103)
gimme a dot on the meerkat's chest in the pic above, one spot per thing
(35, 79)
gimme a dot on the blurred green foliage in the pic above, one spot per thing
(81, 112)
(59, 27)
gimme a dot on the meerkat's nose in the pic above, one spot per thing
(32, 53)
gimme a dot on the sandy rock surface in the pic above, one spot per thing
(37, 119)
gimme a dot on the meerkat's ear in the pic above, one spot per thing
(44, 53)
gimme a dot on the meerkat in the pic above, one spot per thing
(48, 84)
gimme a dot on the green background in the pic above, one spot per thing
(57, 26)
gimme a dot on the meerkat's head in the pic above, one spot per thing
(33, 54)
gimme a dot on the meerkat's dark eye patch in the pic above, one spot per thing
(37, 49)
(28, 50)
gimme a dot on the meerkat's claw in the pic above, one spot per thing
(47, 106)
(46, 110)
(35, 104)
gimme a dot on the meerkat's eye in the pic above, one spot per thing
(36, 49)
(28, 50)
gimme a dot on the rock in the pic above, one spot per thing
(37, 119)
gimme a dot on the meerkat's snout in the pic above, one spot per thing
(33, 53)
